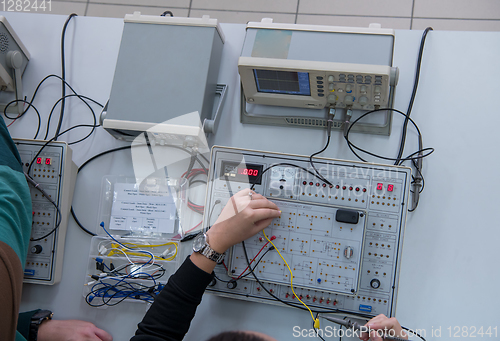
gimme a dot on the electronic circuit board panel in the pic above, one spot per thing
(51, 166)
(340, 230)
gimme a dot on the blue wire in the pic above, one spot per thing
(128, 248)
(102, 289)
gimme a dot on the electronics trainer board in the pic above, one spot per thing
(342, 240)
(55, 171)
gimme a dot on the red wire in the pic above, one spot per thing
(194, 205)
(194, 172)
(253, 259)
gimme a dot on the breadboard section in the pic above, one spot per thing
(342, 240)
(55, 171)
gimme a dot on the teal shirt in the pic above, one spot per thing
(15, 209)
(15, 198)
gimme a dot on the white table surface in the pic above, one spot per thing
(449, 268)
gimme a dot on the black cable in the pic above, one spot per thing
(219, 279)
(30, 105)
(119, 271)
(414, 333)
(79, 169)
(413, 94)
(414, 159)
(73, 214)
(52, 139)
(328, 134)
(410, 157)
(63, 74)
(256, 264)
(83, 99)
(259, 177)
(312, 163)
(46, 195)
(204, 158)
(164, 14)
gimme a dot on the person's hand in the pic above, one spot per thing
(71, 330)
(242, 217)
(384, 325)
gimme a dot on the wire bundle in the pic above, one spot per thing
(113, 286)
(135, 280)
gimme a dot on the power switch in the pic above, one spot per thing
(347, 216)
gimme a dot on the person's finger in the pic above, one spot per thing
(262, 203)
(264, 213)
(103, 335)
(257, 196)
(364, 334)
(374, 336)
(262, 224)
(243, 192)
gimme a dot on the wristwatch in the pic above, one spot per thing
(200, 245)
(36, 321)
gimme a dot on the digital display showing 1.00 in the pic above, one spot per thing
(240, 172)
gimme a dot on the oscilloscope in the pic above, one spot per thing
(341, 232)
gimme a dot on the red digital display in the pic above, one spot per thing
(39, 160)
(47, 161)
(380, 187)
(248, 171)
(390, 188)
(241, 172)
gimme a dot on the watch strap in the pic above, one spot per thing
(208, 252)
(36, 321)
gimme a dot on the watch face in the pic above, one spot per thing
(199, 243)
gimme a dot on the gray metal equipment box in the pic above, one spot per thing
(167, 67)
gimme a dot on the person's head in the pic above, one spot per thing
(241, 336)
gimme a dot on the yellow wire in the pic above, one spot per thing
(111, 253)
(147, 245)
(316, 321)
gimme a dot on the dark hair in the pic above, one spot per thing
(235, 336)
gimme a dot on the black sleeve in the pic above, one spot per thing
(173, 309)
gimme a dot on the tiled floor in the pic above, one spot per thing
(466, 15)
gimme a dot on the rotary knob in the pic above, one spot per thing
(375, 283)
(363, 100)
(36, 249)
